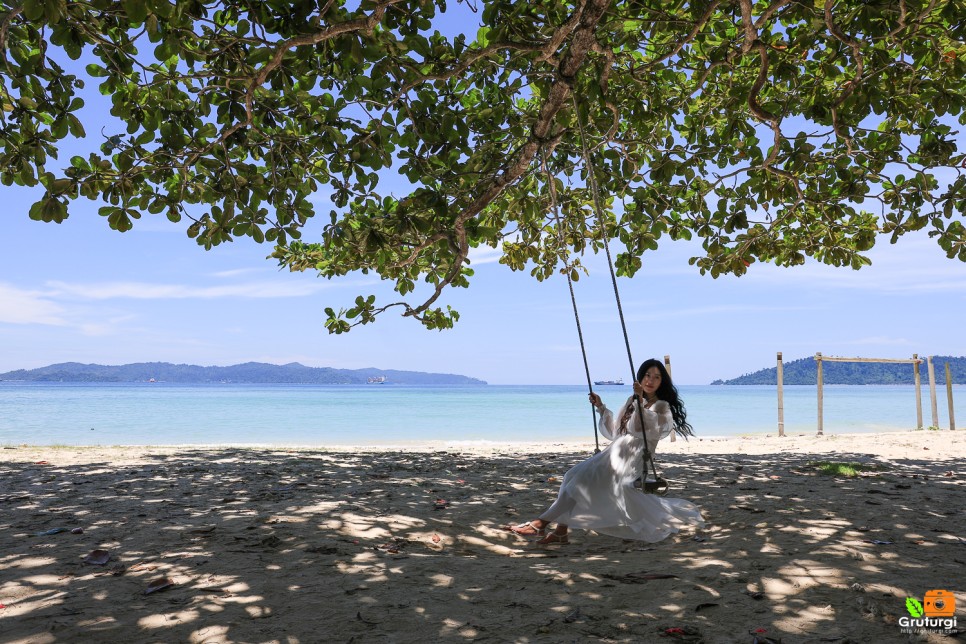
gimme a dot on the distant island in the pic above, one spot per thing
(803, 372)
(247, 373)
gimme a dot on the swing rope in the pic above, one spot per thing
(551, 184)
(658, 485)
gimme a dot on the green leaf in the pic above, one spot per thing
(136, 10)
(914, 607)
(33, 10)
(96, 71)
(76, 127)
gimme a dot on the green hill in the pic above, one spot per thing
(249, 372)
(803, 372)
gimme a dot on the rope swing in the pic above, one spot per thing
(570, 283)
(658, 485)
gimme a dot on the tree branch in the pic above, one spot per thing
(366, 24)
(583, 41)
(849, 86)
(770, 11)
(4, 29)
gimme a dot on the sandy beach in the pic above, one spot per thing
(228, 544)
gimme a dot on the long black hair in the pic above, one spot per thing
(669, 394)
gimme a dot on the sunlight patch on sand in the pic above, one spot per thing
(25, 563)
(442, 581)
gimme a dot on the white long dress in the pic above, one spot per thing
(599, 494)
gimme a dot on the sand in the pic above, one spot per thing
(228, 544)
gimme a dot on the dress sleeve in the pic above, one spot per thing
(663, 421)
(607, 425)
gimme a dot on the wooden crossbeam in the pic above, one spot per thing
(897, 361)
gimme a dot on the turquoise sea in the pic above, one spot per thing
(315, 415)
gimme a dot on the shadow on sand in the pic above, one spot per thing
(272, 545)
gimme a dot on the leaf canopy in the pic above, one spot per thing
(769, 130)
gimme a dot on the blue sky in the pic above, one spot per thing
(81, 292)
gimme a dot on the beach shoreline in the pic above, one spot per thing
(402, 543)
(907, 441)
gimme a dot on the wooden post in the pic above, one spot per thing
(818, 363)
(932, 392)
(949, 397)
(781, 399)
(667, 365)
(915, 365)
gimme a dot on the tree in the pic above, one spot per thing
(771, 130)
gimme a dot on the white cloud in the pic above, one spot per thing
(18, 306)
(890, 278)
(915, 264)
(104, 328)
(484, 255)
(146, 291)
(236, 272)
(664, 313)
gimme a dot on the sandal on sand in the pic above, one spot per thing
(526, 529)
(553, 537)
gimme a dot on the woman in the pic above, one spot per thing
(599, 494)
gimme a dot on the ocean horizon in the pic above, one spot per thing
(89, 414)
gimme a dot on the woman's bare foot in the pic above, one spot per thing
(555, 537)
(528, 529)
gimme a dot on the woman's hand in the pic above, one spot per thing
(595, 401)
